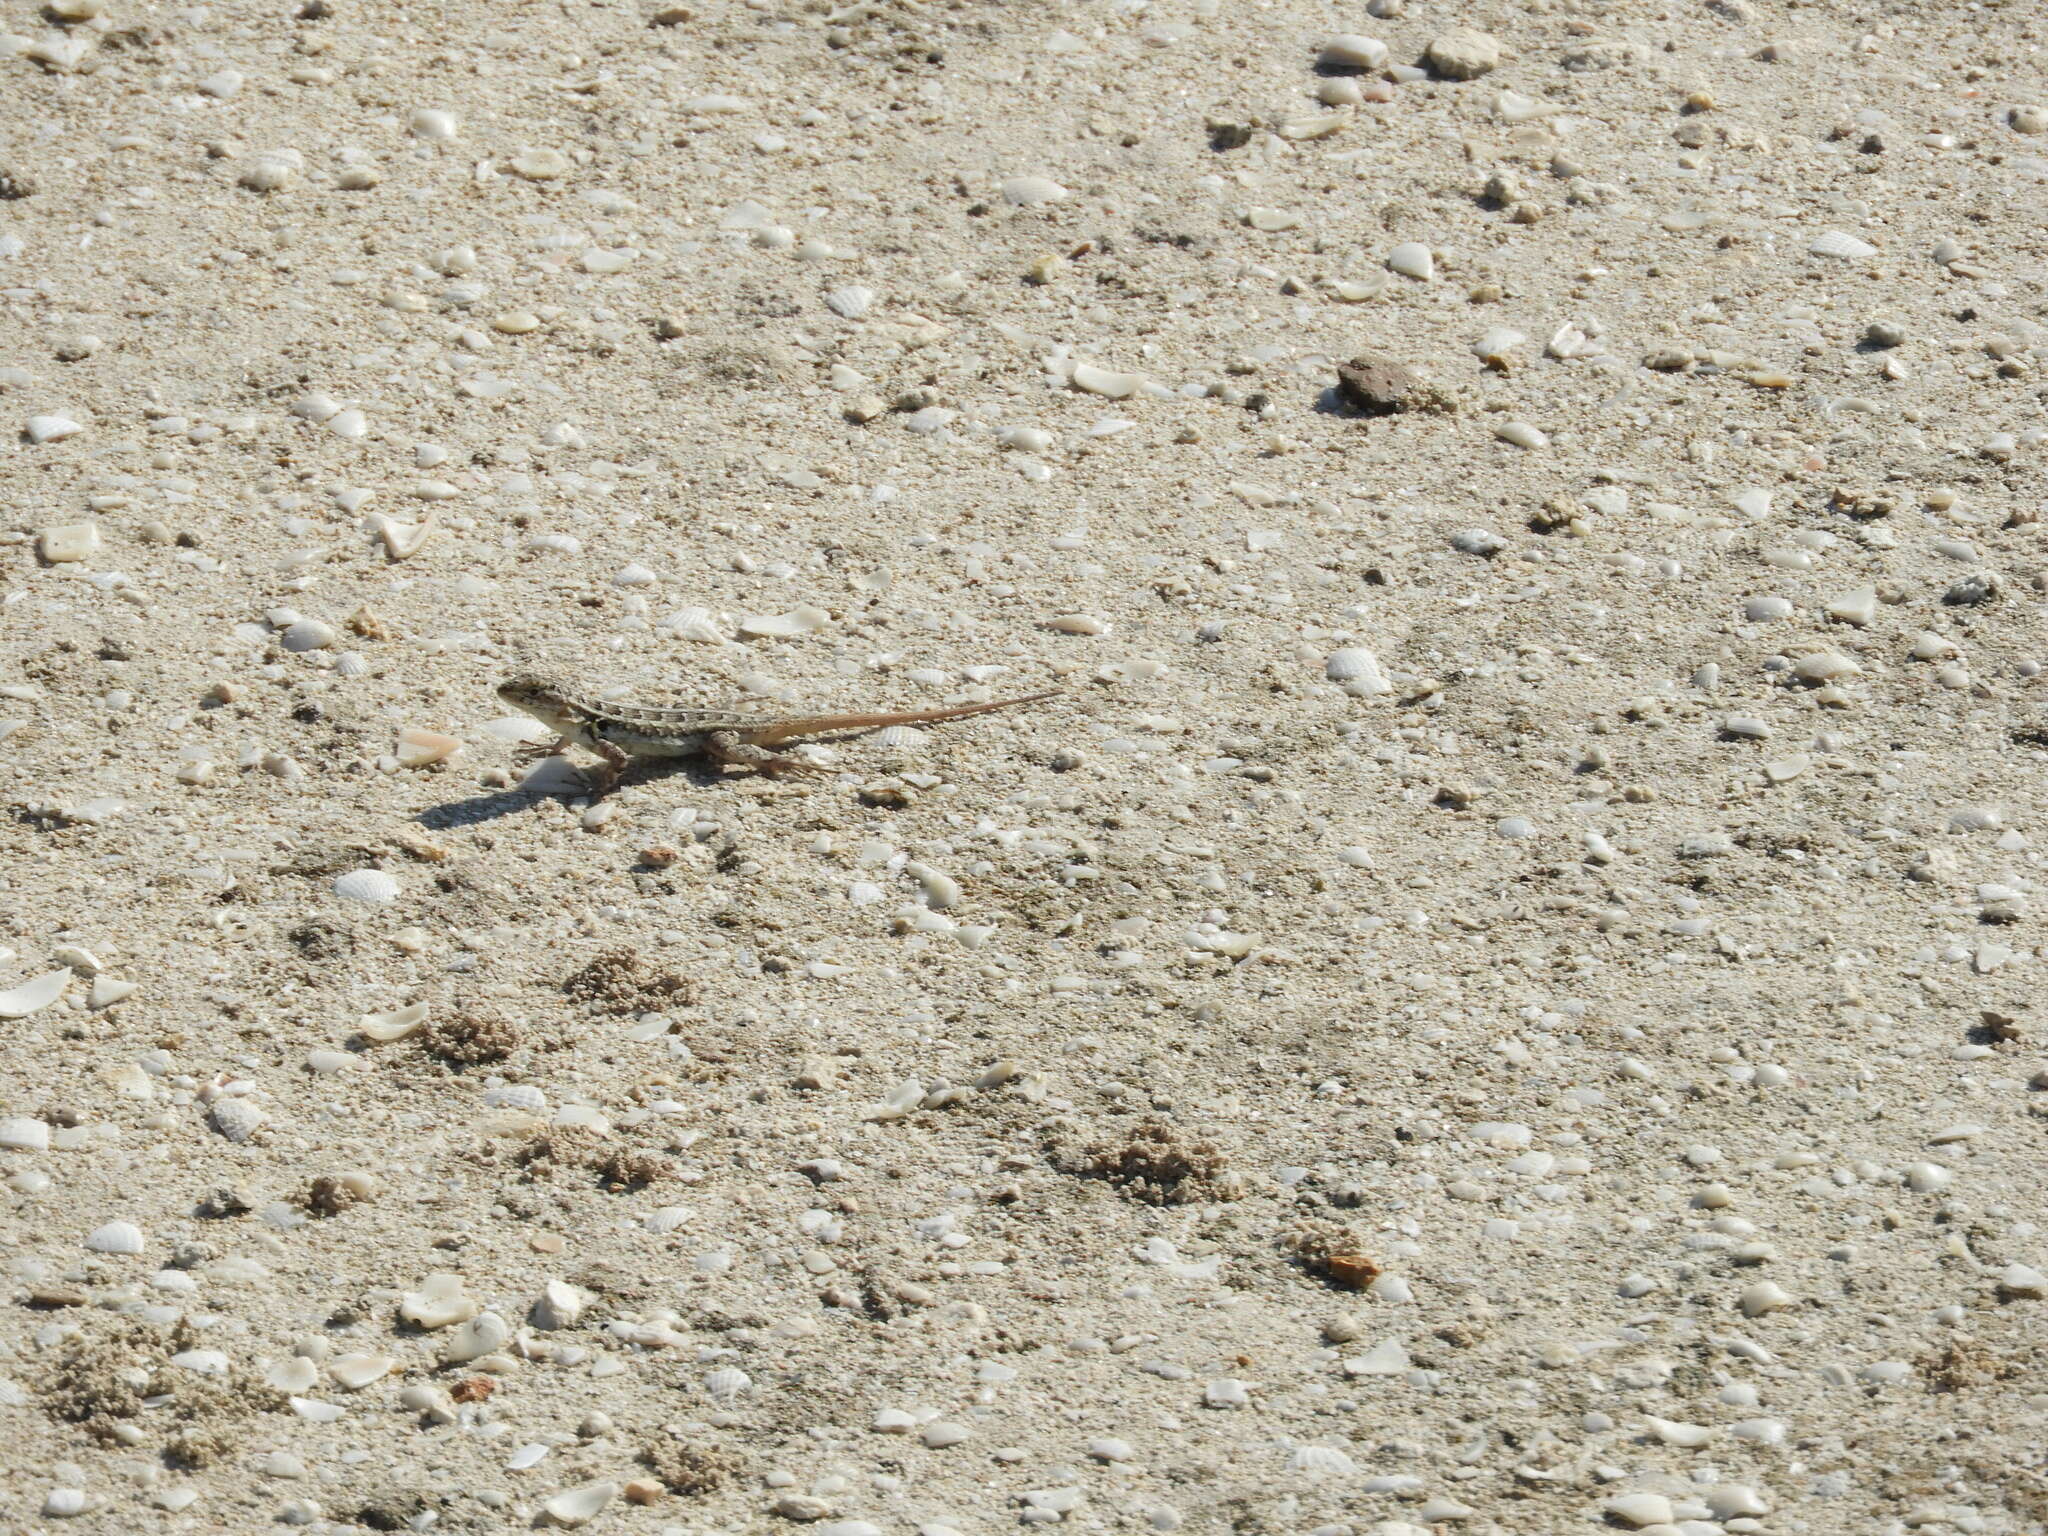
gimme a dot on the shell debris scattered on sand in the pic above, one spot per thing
(1502, 997)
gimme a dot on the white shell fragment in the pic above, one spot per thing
(68, 543)
(541, 164)
(1411, 258)
(34, 996)
(20, 1133)
(236, 1118)
(433, 123)
(271, 170)
(419, 748)
(1106, 382)
(51, 429)
(1352, 50)
(559, 1306)
(353, 1372)
(401, 540)
(579, 1506)
(1358, 670)
(438, 1303)
(481, 1335)
(1030, 191)
(785, 626)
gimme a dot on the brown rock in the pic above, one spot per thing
(1379, 386)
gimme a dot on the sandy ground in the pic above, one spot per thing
(1502, 997)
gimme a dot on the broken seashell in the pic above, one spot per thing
(480, 1336)
(1411, 258)
(383, 1028)
(785, 626)
(417, 747)
(1103, 381)
(579, 1506)
(236, 1118)
(34, 996)
(1358, 670)
(401, 540)
(355, 1372)
(438, 1303)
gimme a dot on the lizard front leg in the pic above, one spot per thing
(616, 761)
(732, 747)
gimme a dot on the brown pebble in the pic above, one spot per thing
(643, 1490)
(1353, 1270)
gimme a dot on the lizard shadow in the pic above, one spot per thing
(478, 809)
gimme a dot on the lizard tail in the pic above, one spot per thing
(818, 725)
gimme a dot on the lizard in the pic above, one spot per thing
(728, 734)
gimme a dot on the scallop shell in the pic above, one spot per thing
(1497, 344)
(1322, 1460)
(372, 886)
(516, 1096)
(1834, 242)
(727, 1382)
(351, 664)
(34, 996)
(383, 1028)
(851, 302)
(698, 624)
(115, 1237)
(236, 1118)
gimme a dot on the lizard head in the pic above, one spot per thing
(537, 695)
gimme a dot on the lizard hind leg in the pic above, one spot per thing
(732, 747)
